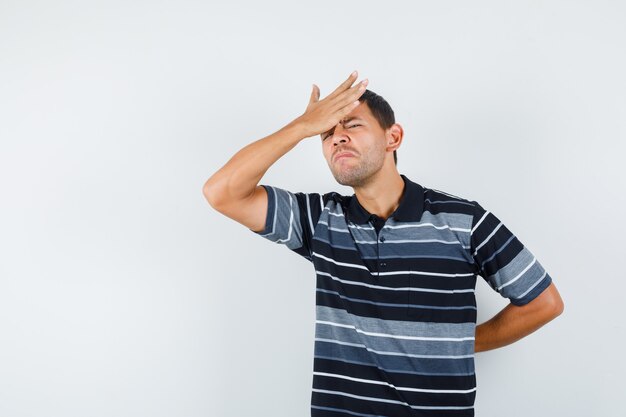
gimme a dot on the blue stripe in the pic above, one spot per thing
(453, 258)
(349, 247)
(396, 371)
(421, 366)
(341, 410)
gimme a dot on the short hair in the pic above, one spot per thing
(382, 112)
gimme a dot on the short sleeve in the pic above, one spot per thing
(291, 219)
(503, 261)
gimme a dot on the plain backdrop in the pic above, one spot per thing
(123, 293)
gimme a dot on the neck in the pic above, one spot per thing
(382, 194)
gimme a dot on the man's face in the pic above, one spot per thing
(355, 148)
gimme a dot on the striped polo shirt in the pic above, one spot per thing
(395, 301)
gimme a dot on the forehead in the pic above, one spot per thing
(361, 111)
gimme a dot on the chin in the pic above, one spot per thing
(349, 181)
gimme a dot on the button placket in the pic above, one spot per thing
(377, 224)
(381, 264)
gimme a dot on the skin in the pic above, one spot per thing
(514, 322)
(370, 170)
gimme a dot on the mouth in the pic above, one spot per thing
(343, 155)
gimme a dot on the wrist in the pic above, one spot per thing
(298, 128)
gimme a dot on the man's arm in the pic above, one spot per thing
(234, 191)
(515, 322)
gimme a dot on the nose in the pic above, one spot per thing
(338, 135)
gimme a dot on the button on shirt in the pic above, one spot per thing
(395, 302)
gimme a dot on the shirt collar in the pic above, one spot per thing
(410, 208)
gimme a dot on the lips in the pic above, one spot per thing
(343, 154)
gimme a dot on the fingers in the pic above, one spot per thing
(344, 85)
(351, 95)
(315, 94)
(347, 109)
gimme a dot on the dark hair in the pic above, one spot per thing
(382, 112)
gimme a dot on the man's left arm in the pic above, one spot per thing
(515, 322)
(514, 272)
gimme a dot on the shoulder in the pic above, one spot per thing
(330, 197)
(438, 201)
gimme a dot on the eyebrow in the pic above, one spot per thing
(350, 119)
(344, 121)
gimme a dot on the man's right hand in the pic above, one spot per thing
(234, 191)
(321, 115)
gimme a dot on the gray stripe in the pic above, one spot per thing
(512, 270)
(454, 258)
(396, 327)
(308, 210)
(454, 220)
(392, 353)
(532, 286)
(286, 228)
(390, 344)
(405, 250)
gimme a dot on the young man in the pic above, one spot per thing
(396, 264)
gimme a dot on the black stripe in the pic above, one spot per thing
(396, 378)
(375, 408)
(403, 313)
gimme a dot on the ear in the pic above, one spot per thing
(394, 136)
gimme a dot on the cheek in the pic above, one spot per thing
(326, 150)
(325, 153)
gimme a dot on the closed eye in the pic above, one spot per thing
(351, 126)
(348, 127)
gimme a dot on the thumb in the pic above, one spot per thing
(315, 94)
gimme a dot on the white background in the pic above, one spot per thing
(122, 293)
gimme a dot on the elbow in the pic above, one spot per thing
(548, 305)
(554, 307)
(221, 192)
(559, 307)
(211, 193)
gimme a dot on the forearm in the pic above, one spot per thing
(513, 323)
(239, 177)
(503, 329)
